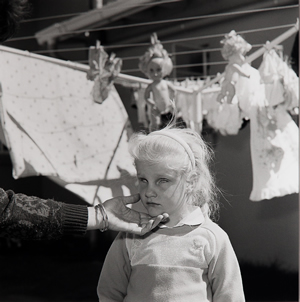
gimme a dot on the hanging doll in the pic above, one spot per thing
(234, 49)
(159, 95)
(103, 70)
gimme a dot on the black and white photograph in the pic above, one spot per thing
(149, 150)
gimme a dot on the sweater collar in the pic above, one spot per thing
(193, 219)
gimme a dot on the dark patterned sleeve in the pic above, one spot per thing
(29, 217)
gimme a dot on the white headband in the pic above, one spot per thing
(180, 141)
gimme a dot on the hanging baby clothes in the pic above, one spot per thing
(143, 114)
(189, 105)
(104, 69)
(273, 140)
(281, 82)
(224, 118)
(268, 70)
(53, 128)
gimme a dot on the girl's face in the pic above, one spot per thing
(155, 71)
(162, 191)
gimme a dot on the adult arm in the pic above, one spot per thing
(30, 217)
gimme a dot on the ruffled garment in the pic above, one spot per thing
(274, 140)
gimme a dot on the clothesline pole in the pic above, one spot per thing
(259, 52)
(273, 43)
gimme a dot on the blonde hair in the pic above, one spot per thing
(200, 185)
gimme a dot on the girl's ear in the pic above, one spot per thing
(191, 181)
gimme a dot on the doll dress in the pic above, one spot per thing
(225, 118)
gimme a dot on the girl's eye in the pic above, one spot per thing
(142, 180)
(163, 180)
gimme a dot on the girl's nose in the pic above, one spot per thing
(150, 192)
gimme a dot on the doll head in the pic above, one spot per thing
(155, 68)
(181, 154)
(156, 58)
(234, 44)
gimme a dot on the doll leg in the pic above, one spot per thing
(230, 93)
(154, 121)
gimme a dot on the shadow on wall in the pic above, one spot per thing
(260, 232)
(269, 282)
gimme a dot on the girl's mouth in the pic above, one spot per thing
(152, 204)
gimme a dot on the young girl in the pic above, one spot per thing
(189, 258)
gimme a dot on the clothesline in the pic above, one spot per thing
(79, 169)
(207, 50)
(179, 53)
(184, 66)
(259, 52)
(163, 22)
(164, 42)
(128, 78)
(83, 67)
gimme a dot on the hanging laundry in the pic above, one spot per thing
(189, 105)
(274, 151)
(224, 114)
(53, 128)
(281, 82)
(224, 118)
(273, 140)
(268, 70)
(273, 134)
(103, 70)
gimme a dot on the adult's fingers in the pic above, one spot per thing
(131, 199)
(153, 223)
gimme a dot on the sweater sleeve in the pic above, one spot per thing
(115, 273)
(29, 217)
(224, 272)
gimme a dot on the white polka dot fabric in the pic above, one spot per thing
(53, 127)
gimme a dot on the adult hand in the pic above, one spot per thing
(122, 218)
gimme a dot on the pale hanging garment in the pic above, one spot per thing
(53, 128)
(281, 82)
(274, 141)
(189, 105)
